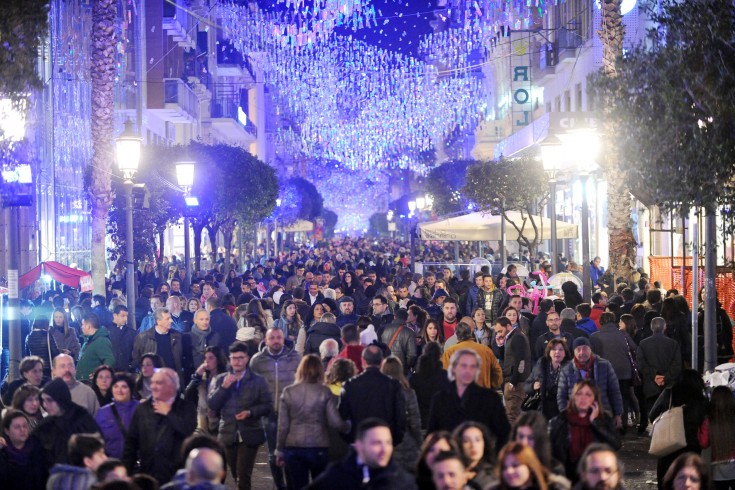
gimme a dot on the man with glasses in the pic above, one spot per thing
(553, 322)
(599, 469)
(241, 397)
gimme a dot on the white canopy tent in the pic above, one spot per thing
(479, 226)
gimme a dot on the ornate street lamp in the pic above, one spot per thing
(128, 146)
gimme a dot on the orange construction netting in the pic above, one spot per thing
(671, 277)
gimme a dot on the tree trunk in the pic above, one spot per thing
(227, 233)
(102, 71)
(212, 232)
(622, 244)
(197, 227)
(161, 243)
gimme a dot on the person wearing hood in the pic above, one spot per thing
(325, 329)
(86, 454)
(97, 348)
(571, 294)
(65, 418)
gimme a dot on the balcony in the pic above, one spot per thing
(178, 93)
(229, 107)
(179, 24)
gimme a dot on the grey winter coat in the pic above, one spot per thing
(279, 370)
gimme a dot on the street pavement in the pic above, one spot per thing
(639, 466)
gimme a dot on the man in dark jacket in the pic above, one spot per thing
(616, 346)
(659, 362)
(538, 325)
(325, 329)
(553, 323)
(346, 311)
(201, 336)
(122, 338)
(242, 399)
(161, 340)
(373, 394)
(158, 428)
(401, 340)
(465, 400)
(516, 365)
(221, 323)
(381, 316)
(369, 465)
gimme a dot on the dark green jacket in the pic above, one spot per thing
(97, 350)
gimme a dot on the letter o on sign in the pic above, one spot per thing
(521, 96)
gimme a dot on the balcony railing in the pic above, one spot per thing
(178, 92)
(230, 107)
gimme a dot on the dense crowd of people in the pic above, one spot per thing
(353, 372)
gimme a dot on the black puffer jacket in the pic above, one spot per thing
(37, 344)
(348, 474)
(318, 333)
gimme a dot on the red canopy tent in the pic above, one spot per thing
(66, 275)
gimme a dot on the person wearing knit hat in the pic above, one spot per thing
(586, 365)
(65, 419)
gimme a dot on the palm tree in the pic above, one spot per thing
(622, 244)
(102, 68)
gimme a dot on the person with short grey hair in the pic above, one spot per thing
(659, 363)
(328, 349)
(161, 340)
(158, 428)
(463, 400)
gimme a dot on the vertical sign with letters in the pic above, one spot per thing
(520, 80)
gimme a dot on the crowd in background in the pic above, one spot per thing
(354, 372)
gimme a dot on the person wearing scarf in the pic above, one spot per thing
(581, 423)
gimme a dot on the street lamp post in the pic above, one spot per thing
(12, 129)
(412, 230)
(575, 151)
(128, 157)
(185, 178)
(552, 159)
(275, 228)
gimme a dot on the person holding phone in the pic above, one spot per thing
(582, 423)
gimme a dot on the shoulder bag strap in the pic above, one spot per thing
(395, 336)
(119, 421)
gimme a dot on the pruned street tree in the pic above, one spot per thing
(518, 184)
(675, 97)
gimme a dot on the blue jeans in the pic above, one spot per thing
(302, 461)
(270, 425)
